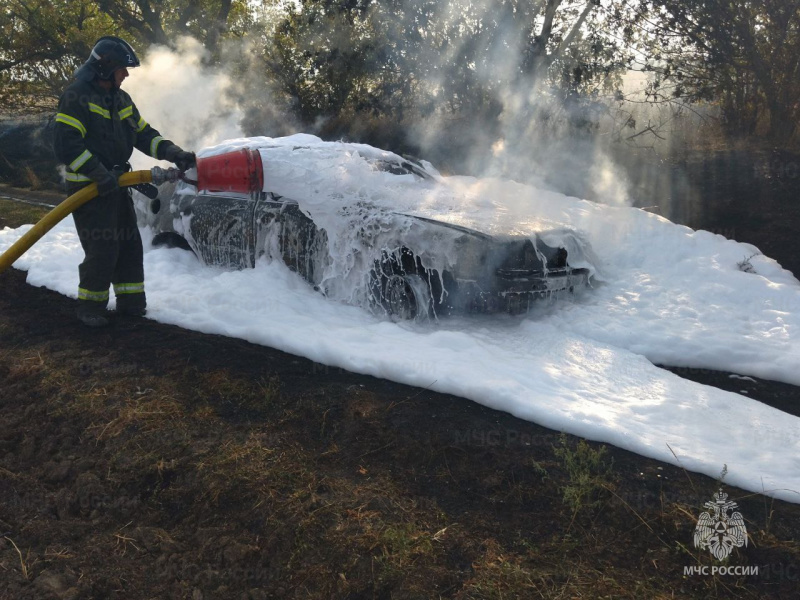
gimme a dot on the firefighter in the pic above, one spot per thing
(97, 127)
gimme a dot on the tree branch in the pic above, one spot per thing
(572, 33)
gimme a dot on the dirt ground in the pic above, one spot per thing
(145, 461)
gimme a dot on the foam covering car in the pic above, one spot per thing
(391, 262)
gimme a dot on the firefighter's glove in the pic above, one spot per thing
(183, 160)
(106, 180)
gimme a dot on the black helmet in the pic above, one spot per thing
(109, 54)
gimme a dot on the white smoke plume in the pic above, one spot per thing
(537, 133)
(184, 98)
(197, 105)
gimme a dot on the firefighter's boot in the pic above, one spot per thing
(92, 314)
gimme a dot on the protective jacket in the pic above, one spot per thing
(93, 125)
(96, 127)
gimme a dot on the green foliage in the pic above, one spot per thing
(743, 54)
(461, 57)
(159, 23)
(42, 42)
(588, 473)
(372, 69)
(441, 79)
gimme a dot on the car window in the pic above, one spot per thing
(405, 167)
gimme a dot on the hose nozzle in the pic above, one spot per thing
(170, 175)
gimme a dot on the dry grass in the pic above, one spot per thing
(24, 562)
(146, 414)
(16, 370)
(335, 521)
(32, 179)
(14, 214)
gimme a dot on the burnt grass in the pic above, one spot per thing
(147, 461)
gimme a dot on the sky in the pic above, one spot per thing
(584, 364)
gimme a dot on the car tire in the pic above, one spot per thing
(170, 239)
(406, 297)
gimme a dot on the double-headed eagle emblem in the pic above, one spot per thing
(719, 532)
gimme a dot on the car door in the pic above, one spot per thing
(284, 233)
(220, 228)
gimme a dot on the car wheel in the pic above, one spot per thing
(406, 297)
(171, 239)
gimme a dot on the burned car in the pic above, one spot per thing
(396, 264)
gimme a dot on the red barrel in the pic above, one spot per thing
(238, 171)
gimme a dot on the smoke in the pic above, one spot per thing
(186, 100)
(197, 104)
(531, 130)
(528, 130)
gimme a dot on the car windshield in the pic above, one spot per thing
(405, 167)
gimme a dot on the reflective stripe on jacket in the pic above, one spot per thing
(93, 125)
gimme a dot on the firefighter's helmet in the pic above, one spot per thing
(109, 54)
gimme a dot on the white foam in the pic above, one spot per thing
(583, 365)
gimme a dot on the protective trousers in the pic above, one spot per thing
(113, 246)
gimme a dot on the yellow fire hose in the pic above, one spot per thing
(79, 198)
